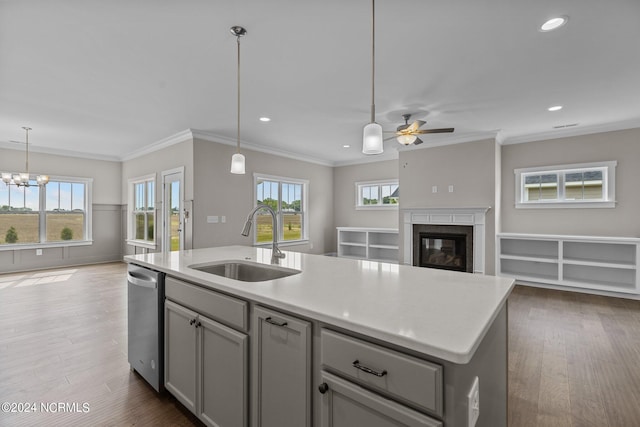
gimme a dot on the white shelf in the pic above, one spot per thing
(375, 244)
(599, 263)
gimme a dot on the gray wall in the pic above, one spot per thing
(469, 167)
(623, 146)
(344, 195)
(106, 220)
(220, 193)
(174, 156)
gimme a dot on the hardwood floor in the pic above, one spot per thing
(63, 339)
(574, 359)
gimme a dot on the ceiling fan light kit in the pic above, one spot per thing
(237, 160)
(372, 139)
(22, 179)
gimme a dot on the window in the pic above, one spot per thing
(58, 213)
(579, 185)
(377, 194)
(288, 198)
(142, 211)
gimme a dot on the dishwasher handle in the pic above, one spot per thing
(149, 282)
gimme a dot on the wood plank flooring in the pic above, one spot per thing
(574, 359)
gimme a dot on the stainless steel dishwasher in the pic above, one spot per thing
(146, 324)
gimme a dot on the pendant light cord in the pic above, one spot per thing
(27, 129)
(238, 140)
(373, 60)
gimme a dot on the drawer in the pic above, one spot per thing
(403, 377)
(225, 309)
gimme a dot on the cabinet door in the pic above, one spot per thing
(223, 355)
(180, 353)
(281, 370)
(345, 404)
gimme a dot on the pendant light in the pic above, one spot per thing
(22, 179)
(237, 160)
(372, 133)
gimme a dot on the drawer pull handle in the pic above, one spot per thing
(357, 365)
(275, 322)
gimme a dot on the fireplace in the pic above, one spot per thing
(448, 247)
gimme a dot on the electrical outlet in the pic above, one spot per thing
(223, 219)
(38, 252)
(434, 189)
(474, 403)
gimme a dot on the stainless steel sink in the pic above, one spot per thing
(245, 271)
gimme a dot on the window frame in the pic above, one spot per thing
(379, 183)
(608, 200)
(131, 229)
(42, 216)
(304, 207)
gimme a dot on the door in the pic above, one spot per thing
(282, 370)
(173, 210)
(180, 353)
(345, 404)
(223, 375)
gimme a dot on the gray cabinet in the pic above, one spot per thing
(281, 370)
(206, 366)
(345, 404)
(180, 356)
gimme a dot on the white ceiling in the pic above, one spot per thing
(109, 78)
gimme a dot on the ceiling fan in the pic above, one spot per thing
(406, 134)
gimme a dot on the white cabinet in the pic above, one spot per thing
(281, 350)
(377, 244)
(589, 262)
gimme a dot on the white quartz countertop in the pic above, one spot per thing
(435, 312)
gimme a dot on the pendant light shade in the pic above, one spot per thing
(372, 140)
(237, 164)
(237, 160)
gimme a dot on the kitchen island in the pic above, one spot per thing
(418, 338)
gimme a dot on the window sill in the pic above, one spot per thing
(566, 205)
(282, 244)
(141, 244)
(19, 247)
(377, 208)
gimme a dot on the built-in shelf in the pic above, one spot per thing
(588, 262)
(376, 244)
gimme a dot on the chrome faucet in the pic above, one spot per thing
(276, 254)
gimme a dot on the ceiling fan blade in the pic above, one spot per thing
(443, 130)
(415, 125)
(418, 141)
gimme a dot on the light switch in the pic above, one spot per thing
(434, 189)
(223, 219)
(451, 189)
(212, 219)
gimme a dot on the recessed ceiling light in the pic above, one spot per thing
(554, 23)
(265, 119)
(555, 108)
(346, 146)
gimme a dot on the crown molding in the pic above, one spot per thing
(574, 131)
(211, 137)
(57, 152)
(177, 138)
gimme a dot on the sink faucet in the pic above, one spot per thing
(276, 254)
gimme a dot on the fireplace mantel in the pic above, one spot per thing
(474, 216)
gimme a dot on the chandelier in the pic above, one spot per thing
(22, 179)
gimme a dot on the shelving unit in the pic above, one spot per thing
(588, 262)
(376, 244)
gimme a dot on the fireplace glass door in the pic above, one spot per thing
(445, 251)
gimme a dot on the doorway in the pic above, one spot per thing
(173, 210)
